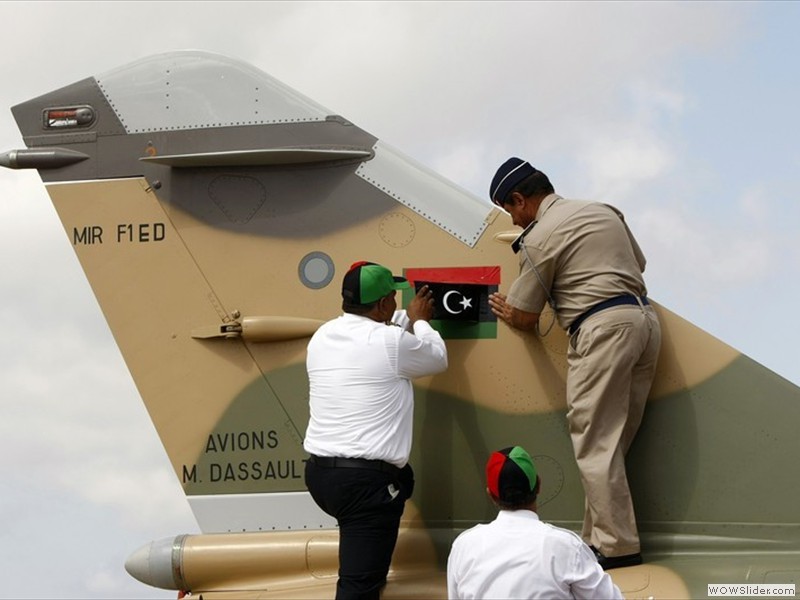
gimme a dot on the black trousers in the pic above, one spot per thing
(367, 505)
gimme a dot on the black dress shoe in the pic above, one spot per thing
(616, 562)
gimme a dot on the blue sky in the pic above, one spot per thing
(738, 176)
(684, 115)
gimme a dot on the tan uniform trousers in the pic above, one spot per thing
(612, 361)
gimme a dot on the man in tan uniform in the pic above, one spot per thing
(581, 258)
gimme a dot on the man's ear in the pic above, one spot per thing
(489, 494)
(383, 307)
(517, 199)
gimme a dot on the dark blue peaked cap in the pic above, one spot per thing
(510, 173)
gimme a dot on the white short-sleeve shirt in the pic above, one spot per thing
(518, 556)
(361, 397)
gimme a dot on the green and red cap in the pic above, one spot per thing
(510, 474)
(366, 282)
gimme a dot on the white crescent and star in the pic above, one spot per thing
(465, 302)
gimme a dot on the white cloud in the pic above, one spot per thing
(623, 161)
(708, 261)
(103, 582)
(755, 204)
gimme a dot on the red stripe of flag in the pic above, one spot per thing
(473, 275)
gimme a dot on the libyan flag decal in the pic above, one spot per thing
(461, 299)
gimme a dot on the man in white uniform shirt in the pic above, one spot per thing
(517, 555)
(360, 366)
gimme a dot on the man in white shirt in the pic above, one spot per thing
(517, 555)
(360, 366)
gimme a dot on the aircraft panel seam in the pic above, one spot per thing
(431, 196)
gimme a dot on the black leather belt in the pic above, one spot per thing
(618, 301)
(353, 463)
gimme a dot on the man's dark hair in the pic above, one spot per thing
(518, 499)
(536, 184)
(358, 309)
